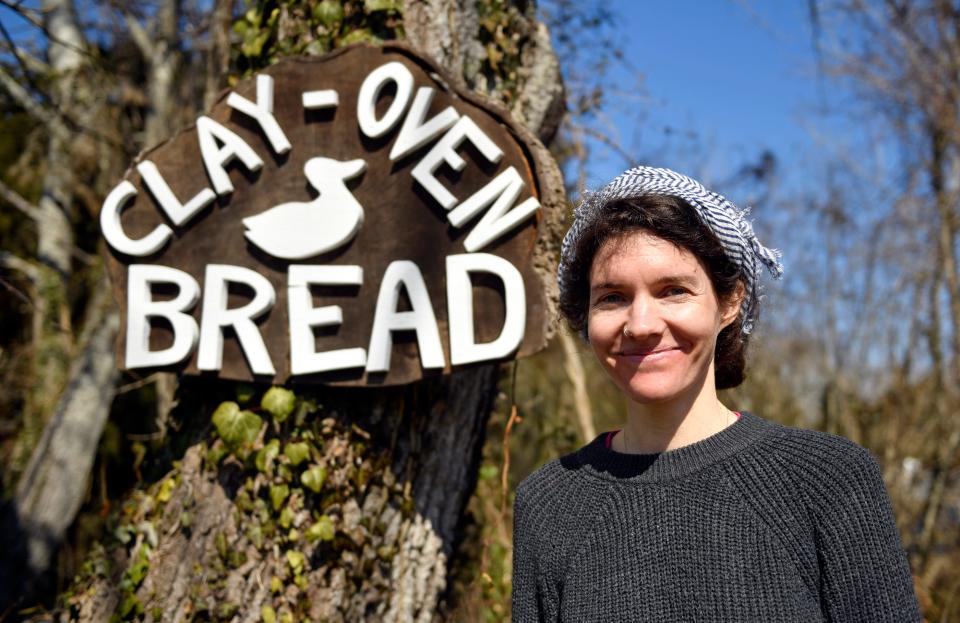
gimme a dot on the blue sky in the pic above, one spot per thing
(740, 76)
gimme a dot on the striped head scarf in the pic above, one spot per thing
(719, 215)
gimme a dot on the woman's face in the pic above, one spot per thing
(654, 318)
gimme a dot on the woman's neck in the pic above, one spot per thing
(658, 427)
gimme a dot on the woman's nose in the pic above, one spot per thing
(643, 319)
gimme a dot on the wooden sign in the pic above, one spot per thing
(351, 218)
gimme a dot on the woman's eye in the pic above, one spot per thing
(610, 297)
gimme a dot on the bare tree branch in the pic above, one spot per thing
(32, 63)
(18, 54)
(15, 291)
(32, 106)
(139, 35)
(37, 21)
(13, 198)
(14, 262)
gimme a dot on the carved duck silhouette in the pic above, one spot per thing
(302, 229)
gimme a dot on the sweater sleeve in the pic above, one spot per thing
(534, 598)
(864, 572)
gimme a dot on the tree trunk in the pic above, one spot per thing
(163, 56)
(400, 464)
(218, 51)
(52, 488)
(349, 508)
(52, 336)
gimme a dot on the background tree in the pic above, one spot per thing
(903, 64)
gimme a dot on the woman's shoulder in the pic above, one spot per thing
(805, 448)
(553, 475)
(820, 462)
(555, 480)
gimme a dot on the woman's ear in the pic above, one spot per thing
(730, 306)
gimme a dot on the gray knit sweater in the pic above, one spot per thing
(758, 522)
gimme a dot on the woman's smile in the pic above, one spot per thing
(657, 355)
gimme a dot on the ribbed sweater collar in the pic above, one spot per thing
(672, 464)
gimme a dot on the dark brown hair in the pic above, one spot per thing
(674, 220)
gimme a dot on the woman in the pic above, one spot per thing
(693, 512)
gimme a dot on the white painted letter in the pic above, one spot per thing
(326, 98)
(386, 319)
(113, 230)
(303, 317)
(463, 348)
(215, 316)
(141, 307)
(414, 132)
(215, 158)
(370, 91)
(501, 191)
(445, 151)
(158, 187)
(262, 112)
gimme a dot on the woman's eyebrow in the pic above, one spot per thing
(606, 285)
(681, 279)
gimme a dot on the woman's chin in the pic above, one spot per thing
(652, 390)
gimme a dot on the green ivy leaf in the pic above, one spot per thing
(314, 478)
(253, 42)
(266, 455)
(234, 426)
(130, 605)
(279, 402)
(221, 543)
(372, 6)
(296, 560)
(297, 452)
(166, 489)
(286, 517)
(360, 35)
(278, 493)
(268, 614)
(138, 571)
(322, 530)
(255, 534)
(272, 20)
(488, 472)
(328, 12)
